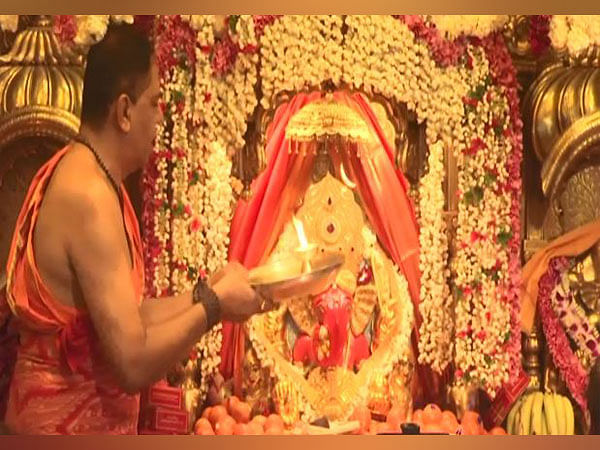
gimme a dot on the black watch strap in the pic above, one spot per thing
(210, 301)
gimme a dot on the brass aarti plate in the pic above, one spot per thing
(290, 277)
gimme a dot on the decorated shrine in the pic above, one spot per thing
(448, 164)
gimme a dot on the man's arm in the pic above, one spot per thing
(139, 353)
(158, 310)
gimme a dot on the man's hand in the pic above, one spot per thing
(239, 301)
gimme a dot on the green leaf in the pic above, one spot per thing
(178, 96)
(498, 131)
(195, 178)
(489, 179)
(179, 209)
(474, 196)
(479, 92)
(504, 237)
(233, 20)
(507, 336)
(192, 273)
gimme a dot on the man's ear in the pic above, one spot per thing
(123, 106)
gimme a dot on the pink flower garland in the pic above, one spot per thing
(575, 323)
(504, 74)
(444, 52)
(65, 28)
(261, 22)
(539, 30)
(176, 44)
(568, 364)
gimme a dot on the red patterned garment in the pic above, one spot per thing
(61, 382)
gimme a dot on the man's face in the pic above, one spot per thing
(146, 117)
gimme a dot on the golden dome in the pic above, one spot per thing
(40, 87)
(562, 109)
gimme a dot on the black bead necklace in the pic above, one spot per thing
(83, 140)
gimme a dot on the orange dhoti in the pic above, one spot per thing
(61, 382)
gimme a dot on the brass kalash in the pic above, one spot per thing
(325, 244)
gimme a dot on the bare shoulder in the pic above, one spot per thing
(78, 191)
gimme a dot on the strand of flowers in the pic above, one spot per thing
(480, 26)
(569, 366)
(183, 274)
(444, 116)
(9, 22)
(539, 30)
(445, 52)
(224, 100)
(480, 266)
(156, 218)
(157, 196)
(504, 75)
(437, 328)
(574, 33)
(299, 52)
(573, 319)
(225, 97)
(217, 207)
(85, 30)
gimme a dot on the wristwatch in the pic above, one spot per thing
(210, 301)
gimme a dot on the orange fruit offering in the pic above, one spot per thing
(432, 414)
(203, 427)
(417, 416)
(225, 426)
(396, 416)
(498, 431)
(449, 422)
(216, 414)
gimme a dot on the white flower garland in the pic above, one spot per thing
(182, 148)
(9, 22)
(453, 26)
(299, 52)
(162, 219)
(480, 266)
(92, 28)
(437, 328)
(575, 33)
(217, 206)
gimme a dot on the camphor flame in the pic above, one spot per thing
(300, 233)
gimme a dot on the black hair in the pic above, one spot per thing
(119, 63)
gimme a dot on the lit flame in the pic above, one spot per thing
(300, 233)
(345, 178)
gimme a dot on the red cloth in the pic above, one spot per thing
(504, 400)
(61, 382)
(257, 223)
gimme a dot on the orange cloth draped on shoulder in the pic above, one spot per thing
(61, 382)
(572, 243)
